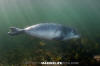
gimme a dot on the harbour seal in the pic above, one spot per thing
(49, 31)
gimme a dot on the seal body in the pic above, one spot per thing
(51, 31)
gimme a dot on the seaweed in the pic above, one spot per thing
(81, 50)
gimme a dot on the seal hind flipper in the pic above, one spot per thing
(15, 31)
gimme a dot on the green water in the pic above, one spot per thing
(81, 14)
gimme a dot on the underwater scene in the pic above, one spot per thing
(25, 50)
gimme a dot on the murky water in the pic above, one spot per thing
(81, 14)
